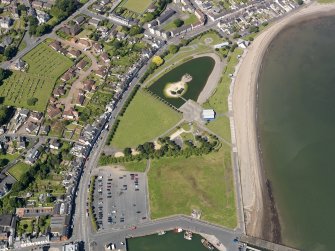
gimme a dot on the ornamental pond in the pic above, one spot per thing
(188, 80)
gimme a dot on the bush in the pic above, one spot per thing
(157, 60)
(32, 101)
(178, 22)
(173, 49)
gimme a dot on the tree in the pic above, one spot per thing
(127, 151)
(253, 29)
(3, 74)
(117, 44)
(157, 60)
(3, 114)
(148, 17)
(178, 22)
(10, 52)
(300, 2)
(173, 49)
(42, 29)
(134, 30)
(32, 101)
(3, 162)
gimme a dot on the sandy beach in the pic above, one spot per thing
(259, 209)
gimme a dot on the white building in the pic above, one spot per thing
(208, 114)
(219, 46)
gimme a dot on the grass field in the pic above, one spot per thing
(145, 119)
(45, 66)
(18, 170)
(221, 126)
(136, 5)
(199, 182)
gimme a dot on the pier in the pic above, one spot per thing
(265, 244)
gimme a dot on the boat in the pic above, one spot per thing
(188, 235)
(178, 230)
(207, 244)
(161, 232)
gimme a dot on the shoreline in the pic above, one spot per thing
(260, 211)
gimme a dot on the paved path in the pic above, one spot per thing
(213, 79)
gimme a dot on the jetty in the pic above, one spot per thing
(256, 242)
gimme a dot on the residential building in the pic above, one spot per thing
(28, 212)
(165, 16)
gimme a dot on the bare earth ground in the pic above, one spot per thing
(257, 205)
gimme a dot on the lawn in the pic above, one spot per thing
(199, 182)
(136, 5)
(192, 19)
(145, 119)
(221, 127)
(25, 226)
(45, 66)
(18, 170)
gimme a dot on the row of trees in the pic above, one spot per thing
(168, 148)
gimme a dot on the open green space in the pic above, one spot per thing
(18, 170)
(136, 5)
(45, 66)
(145, 119)
(199, 182)
(221, 127)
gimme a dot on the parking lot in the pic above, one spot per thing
(119, 198)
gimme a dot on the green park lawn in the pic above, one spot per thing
(45, 67)
(199, 182)
(136, 5)
(221, 127)
(145, 119)
(18, 170)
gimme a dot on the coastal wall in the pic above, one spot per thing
(260, 211)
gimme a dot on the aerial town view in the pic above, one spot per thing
(159, 125)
